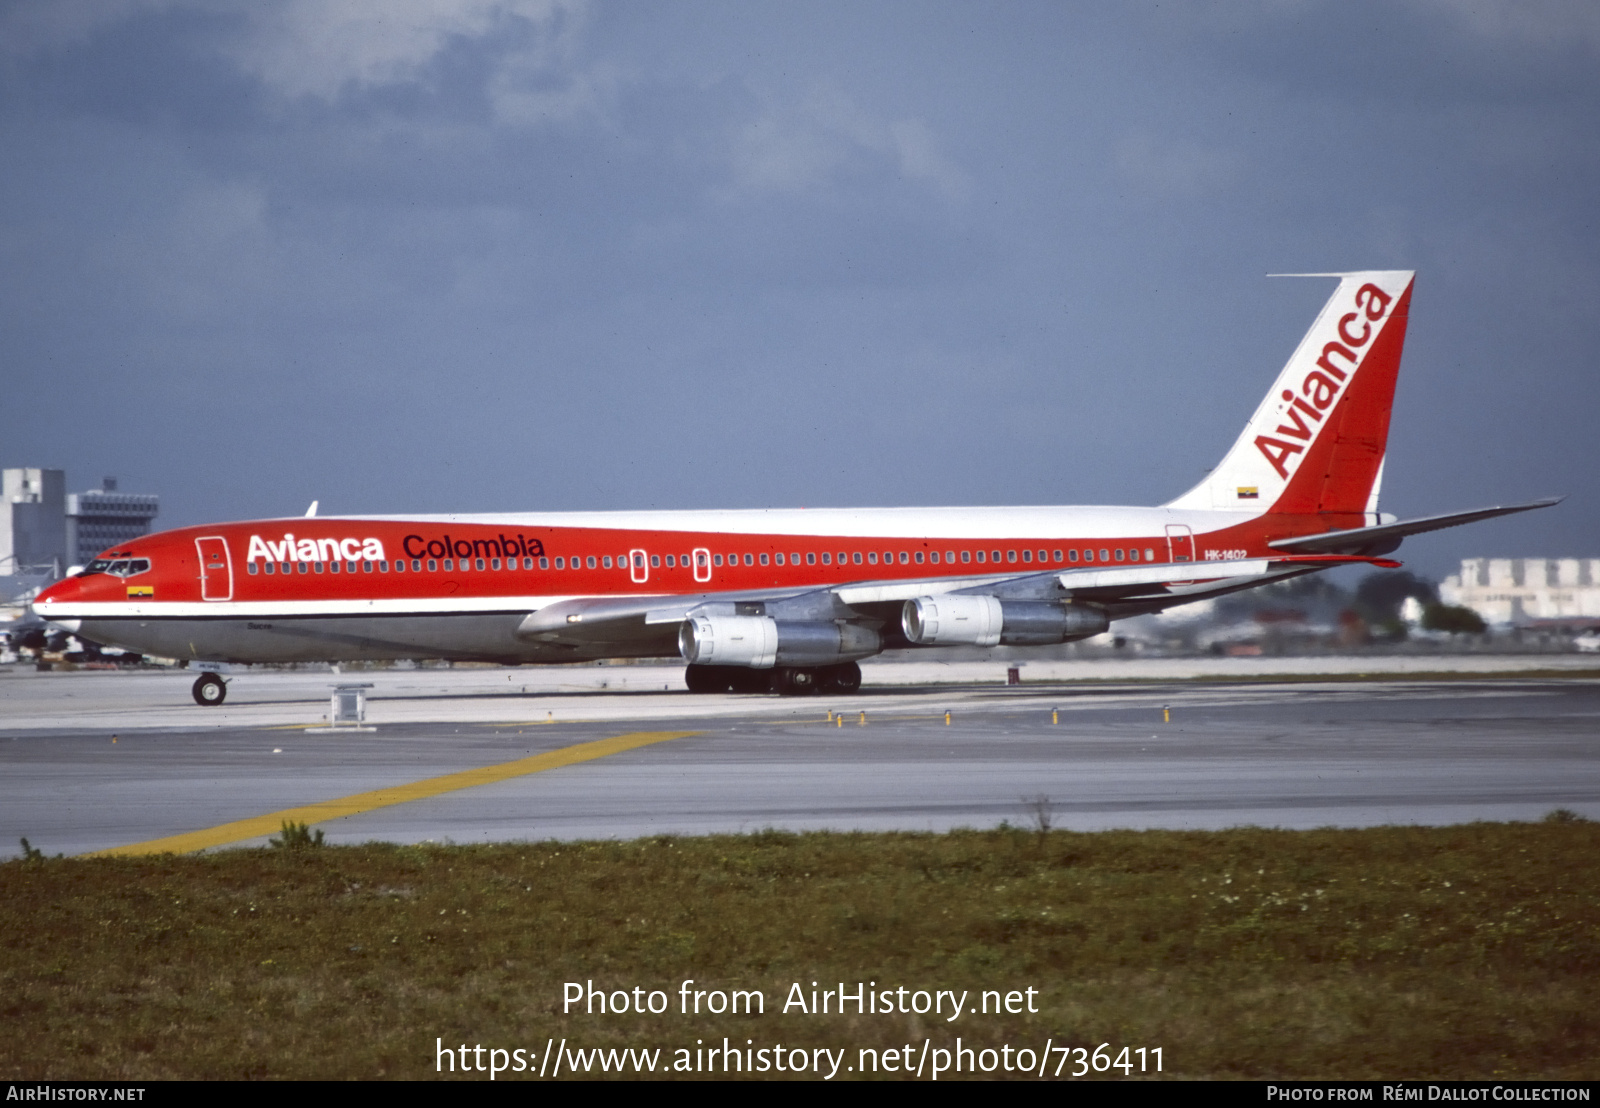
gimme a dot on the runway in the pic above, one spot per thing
(90, 762)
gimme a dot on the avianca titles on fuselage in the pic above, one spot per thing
(784, 599)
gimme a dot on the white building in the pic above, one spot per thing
(1522, 591)
(33, 523)
(44, 529)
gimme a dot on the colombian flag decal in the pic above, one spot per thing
(1249, 492)
(141, 592)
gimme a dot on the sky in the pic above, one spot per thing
(512, 255)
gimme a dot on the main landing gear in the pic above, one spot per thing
(209, 690)
(783, 680)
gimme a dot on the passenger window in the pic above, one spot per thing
(966, 555)
(905, 559)
(843, 557)
(1118, 553)
(872, 557)
(749, 560)
(494, 563)
(449, 565)
(561, 563)
(333, 567)
(672, 561)
(300, 567)
(827, 558)
(981, 556)
(544, 563)
(605, 562)
(919, 557)
(1041, 555)
(933, 557)
(811, 558)
(1133, 555)
(1149, 554)
(366, 567)
(1105, 555)
(856, 557)
(655, 561)
(1027, 555)
(251, 567)
(399, 566)
(994, 555)
(1011, 555)
(316, 566)
(794, 558)
(763, 560)
(1058, 555)
(716, 559)
(777, 559)
(416, 565)
(383, 567)
(590, 561)
(1072, 555)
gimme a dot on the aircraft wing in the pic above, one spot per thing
(1386, 537)
(1140, 590)
(589, 624)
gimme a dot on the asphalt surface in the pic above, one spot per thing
(92, 761)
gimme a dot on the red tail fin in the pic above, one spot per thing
(1317, 441)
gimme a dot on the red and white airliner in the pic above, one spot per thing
(784, 600)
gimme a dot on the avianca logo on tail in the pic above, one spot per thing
(1322, 386)
(314, 550)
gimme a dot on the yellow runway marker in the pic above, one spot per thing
(323, 811)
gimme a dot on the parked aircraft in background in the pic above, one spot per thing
(784, 600)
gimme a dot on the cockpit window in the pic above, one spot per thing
(117, 567)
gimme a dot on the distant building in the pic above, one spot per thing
(43, 530)
(1527, 591)
(105, 518)
(33, 528)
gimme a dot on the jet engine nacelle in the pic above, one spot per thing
(762, 642)
(990, 621)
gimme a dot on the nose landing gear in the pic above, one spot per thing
(210, 690)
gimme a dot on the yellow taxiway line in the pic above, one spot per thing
(322, 811)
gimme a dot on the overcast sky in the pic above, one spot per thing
(479, 255)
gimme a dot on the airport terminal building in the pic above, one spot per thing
(1521, 592)
(44, 529)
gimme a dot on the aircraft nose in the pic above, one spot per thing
(59, 593)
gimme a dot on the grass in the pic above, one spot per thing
(1459, 952)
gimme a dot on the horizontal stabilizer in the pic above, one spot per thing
(1388, 535)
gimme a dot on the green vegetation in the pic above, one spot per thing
(295, 836)
(1470, 951)
(1453, 619)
